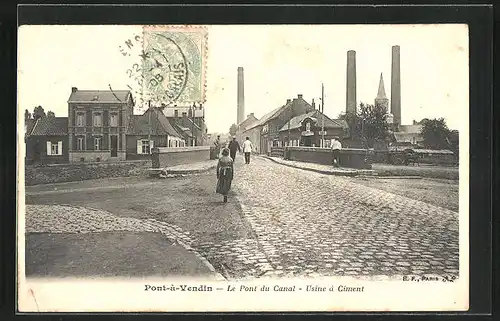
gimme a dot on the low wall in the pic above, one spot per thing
(348, 157)
(171, 156)
(58, 173)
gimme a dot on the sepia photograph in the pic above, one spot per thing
(243, 168)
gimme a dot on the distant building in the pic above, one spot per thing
(149, 130)
(265, 133)
(242, 127)
(381, 98)
(408, 135)
(97, 124)
(188, 121)
(306, 130)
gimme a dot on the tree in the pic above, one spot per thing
(435, 133)
(51, 114)
(233, 129)
(368, 124)
(27, 115)
(38, 112)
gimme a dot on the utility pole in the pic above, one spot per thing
(289, 120)
(149, 122)
(323, 115)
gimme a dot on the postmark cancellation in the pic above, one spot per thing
(169, 64)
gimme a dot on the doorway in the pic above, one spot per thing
(114, 146)
(307, 142)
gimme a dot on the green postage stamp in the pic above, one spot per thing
(171, 67)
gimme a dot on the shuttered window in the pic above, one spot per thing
(144, 146)
(54, 149)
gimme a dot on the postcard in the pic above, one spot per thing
(223, 168)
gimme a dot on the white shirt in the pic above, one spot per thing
(247, 146)
(336, 145)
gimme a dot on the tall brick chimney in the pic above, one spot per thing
(241, 97)
(351, 82)
(396, 86)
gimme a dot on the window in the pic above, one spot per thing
(79, 143)
(113, 120)
(97, 143)
(54, 148)
(80, 119)
(184, 114)
(144, 146)
(98, 120)
(176, 113)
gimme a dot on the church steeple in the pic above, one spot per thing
(381, 98)
(381, 88)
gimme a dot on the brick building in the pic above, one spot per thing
(242, 127)
(306, 130)
(190, 122)
(47, 141)
(265, 133)
(97, 124)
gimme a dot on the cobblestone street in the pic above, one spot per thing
(279, 221)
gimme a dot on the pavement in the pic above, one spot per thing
(279, 221)
(320, 168)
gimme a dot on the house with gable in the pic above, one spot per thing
(47, 141)
(310, 128)
(149, 130)
(265, 133)
(97, 124)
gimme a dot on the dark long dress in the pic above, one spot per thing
(225, 173)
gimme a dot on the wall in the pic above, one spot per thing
(36, 149)
(348, 157)
(158, 141)
(47, 174)
(166, 157)
(254, 135)
(92, 156)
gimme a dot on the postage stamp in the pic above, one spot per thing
(171, 65)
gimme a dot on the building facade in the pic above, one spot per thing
(266, 132)
(97, 124)
(149, 130)
(242, 127)
(190, 122)
(310, 128)
(47, 142)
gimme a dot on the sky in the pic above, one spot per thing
(279, 62)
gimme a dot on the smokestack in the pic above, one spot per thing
(351, 82)
(241, 97)
(396, 86)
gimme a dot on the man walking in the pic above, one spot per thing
(233, 147)
(217, 146)
(247, 149)
(336, 147)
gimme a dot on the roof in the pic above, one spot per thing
(414, 129)
(407, 137)
(249, 121)
(296, 122)
(381, 89)
(272, 114)
(139, 124)
(183, 130)
(28, 125)
(50, 126)
(100, 96)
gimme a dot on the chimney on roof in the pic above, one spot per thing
(299, 96)
(313, 104)
(250, 115)
(288, 101)
(74, 89)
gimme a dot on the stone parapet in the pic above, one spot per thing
(171, 156)
(348, 157)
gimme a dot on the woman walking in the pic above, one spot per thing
(225, 171)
